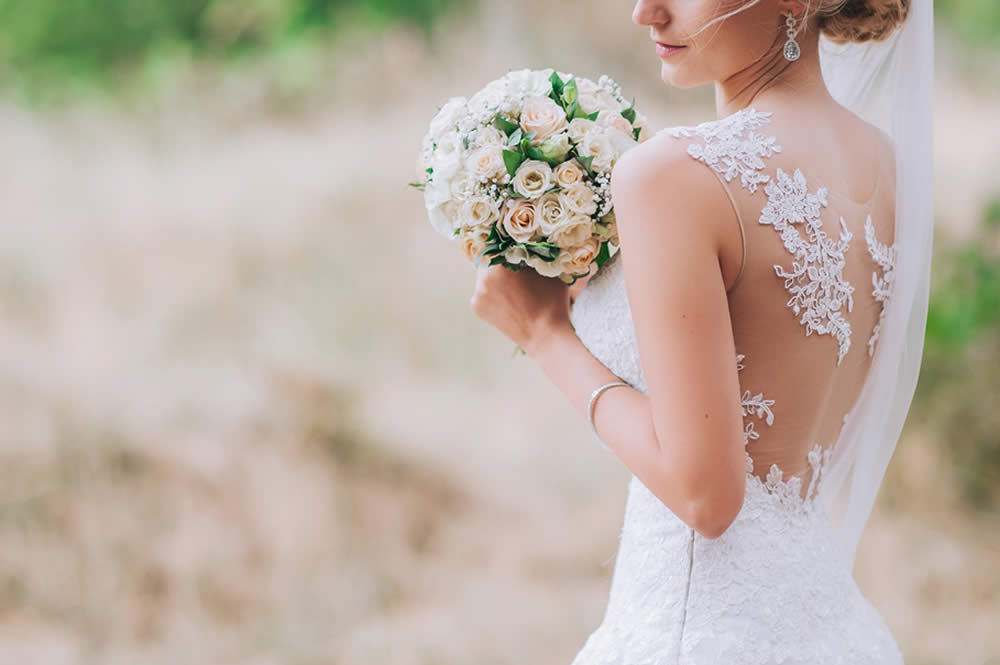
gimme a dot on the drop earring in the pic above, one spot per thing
(792, 51)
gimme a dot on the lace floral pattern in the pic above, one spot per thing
(731, 147)
(882, 286)
(816, 281)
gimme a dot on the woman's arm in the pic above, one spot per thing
(685, 439)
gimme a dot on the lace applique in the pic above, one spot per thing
(882, 287)
(731, 147)
(753, 405)
(789, 492)
(816, 281)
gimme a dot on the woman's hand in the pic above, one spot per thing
(523, 305)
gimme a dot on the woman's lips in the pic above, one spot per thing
(664, 50)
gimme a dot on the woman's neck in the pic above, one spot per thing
(772, 80)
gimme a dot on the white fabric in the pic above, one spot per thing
(890, 84)
(771, 590)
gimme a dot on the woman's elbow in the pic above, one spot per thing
(712, 512)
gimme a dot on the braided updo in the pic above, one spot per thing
(859, 20)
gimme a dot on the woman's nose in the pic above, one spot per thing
(648, 12)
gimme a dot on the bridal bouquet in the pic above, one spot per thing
(520, 172)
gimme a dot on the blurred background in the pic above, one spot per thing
(246, 414)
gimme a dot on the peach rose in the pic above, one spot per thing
(520, 220)
(543, 116)
(568, 173)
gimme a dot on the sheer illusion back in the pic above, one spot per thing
(815, 276)
(806, 308)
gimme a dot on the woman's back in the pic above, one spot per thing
(816, 204)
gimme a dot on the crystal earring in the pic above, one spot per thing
(792, 51)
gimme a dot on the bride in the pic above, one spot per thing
(751, 351)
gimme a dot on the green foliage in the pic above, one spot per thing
(978, 20)
(54, 40)
(958, 387)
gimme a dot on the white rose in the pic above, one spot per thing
(473, 242)
(577, 260)
(482, 211)
(579, 198)
(532, 178)
(486, 163)
(580, 127)
(545, 268)
(642, 122)
(447, 117)
(463, 185)
(551, 211)
(621, 142)
(489, 98)
(599, 146)
(542, 116)
(520, 221)
(528, 83)
(437, 193)
(440, 221)
(568, 173)
(572, 231)
(490, 135)
(614, 119)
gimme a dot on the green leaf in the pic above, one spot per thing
(573, 111)
(515, 138)
(417, 185)
(534, 153)
(557, 83)
(429, 170)
(603, 255)
(455, 232)
(512, 160)
(592, 116)
(629, 113)
(586, 162)
(545, 250)
(497, 260)
(636, 131)
(504, 125)
(569, 93)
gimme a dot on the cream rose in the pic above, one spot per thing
(516, 254)
(473, 242)
(577, 260)
(481, 211)
(581, 127)
(532, 178)
(579, 198)
(568, 173)
(607, 227)
(520, 220)
(614, 119)
(529, 82)
(572, 231)
(551, 211)
(599, 146)
(543, 116)
(486, 163)
(546, 268)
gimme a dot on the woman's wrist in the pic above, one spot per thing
(546, 335)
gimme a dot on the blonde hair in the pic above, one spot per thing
(843, 21)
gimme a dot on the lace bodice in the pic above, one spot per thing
(770, 589)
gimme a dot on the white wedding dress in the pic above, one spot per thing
(806, 314)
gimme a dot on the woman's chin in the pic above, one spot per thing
(676, 79)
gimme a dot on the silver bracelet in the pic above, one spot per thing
(590, 406)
